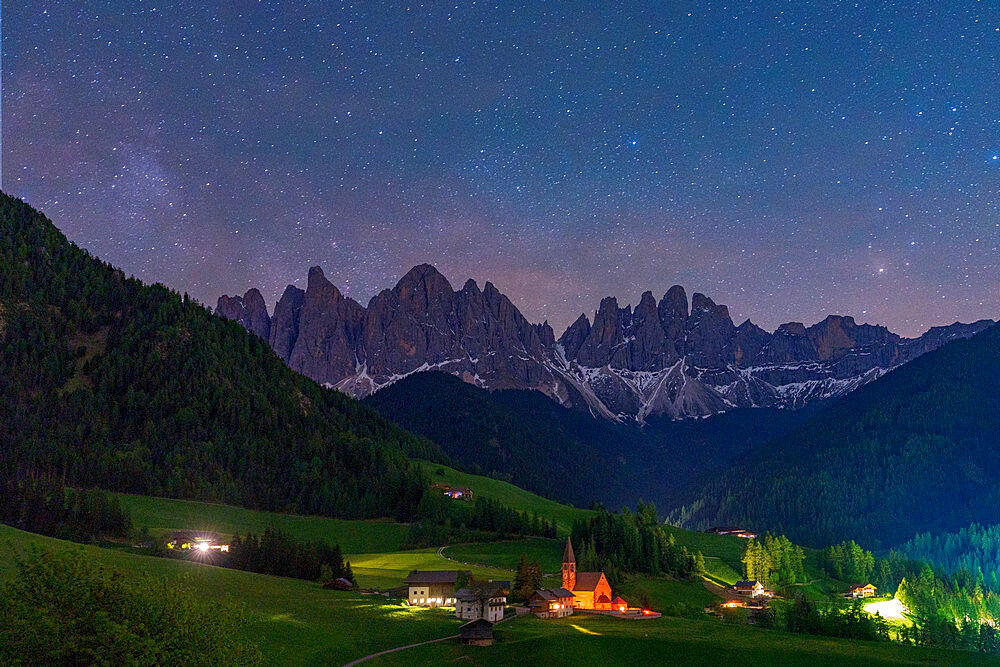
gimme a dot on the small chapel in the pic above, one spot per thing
(591, 590)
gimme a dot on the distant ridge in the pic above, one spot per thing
(916, 451)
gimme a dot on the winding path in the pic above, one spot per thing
(398, 648)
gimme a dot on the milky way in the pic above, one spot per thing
(788, 159)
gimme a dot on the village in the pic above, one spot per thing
(482, 603)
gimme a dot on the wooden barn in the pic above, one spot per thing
(476, 633)
(340, 584)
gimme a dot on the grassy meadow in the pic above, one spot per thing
(508, 494)
(387, 570)
(586, 639)
(505, 555)
(163, 515)
(296, 622)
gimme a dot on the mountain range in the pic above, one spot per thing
(672, 357)
(915, 451)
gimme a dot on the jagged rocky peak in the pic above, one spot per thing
(285, 323)
(671, 358)
(792, 329)
(746, 344)
(423, 288)
(249, 310)
(647, 305)
(605, 334)
(709, 328)
(470, 287)
(673, 312)
(545, 334)
(574, 336)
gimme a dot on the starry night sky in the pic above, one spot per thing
(789, 159)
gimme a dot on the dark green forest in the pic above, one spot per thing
(915, 451)
(627, 542)
(974, 549)
(443, 520)
(45, 506)
(277, 553)
(524, 437)
(111, 383)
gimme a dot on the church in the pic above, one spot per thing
(591, 590)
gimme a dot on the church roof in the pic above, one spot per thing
(604, 599)
(568, 555)
(587, 581)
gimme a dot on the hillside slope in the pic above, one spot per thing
(917, 450)
(108, 382)
(568, 455)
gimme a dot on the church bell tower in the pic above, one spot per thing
(569, 567)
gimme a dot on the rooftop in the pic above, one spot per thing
(432, 577)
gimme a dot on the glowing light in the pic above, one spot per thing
(203, 546)
(584, 630)
(892, 610)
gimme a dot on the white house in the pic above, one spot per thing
(469, 602)
(434, 588)
(750, 589)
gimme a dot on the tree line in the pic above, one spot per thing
(43, 505)
(949, 609)
(974, 549)
(774, 561)
(277, 553)
(629, 542)
(444, 520)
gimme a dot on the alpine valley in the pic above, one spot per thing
(670, 357)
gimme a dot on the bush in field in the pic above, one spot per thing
(62, 609)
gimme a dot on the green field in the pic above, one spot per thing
(162, 515)
(298, 622)
(508, 494)
(387, 570)
(673, 598)
(547, 553)
(585, 639)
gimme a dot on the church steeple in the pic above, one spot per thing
(569, 567)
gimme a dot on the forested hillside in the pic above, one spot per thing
(974, 549)
(111, 383)
(917, 450)
(524, 437)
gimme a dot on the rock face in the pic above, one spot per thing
(661, 358)
(249, 310)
